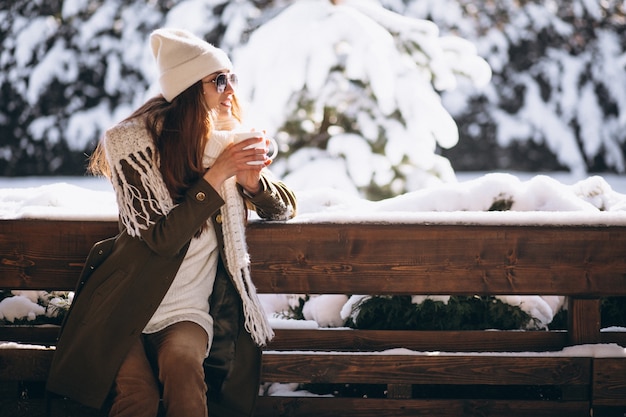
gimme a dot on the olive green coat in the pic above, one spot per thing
(124, 281)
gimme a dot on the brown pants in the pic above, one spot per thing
(176, 353)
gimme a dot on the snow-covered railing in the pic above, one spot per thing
(579, 261)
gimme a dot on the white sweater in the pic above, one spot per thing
(188, 297)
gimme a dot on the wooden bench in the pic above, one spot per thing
(584, 263)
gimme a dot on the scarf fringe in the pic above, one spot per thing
(155, 200)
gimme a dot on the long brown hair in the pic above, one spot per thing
(180, 130)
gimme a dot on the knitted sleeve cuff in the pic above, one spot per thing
(216, 144)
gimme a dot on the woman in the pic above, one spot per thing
(140, 324)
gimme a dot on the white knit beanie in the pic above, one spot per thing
(183, 59)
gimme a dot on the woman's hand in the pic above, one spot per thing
(234, 160)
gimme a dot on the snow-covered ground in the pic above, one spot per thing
(473, 192)
(616, 181)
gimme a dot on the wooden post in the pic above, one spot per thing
(583, 320)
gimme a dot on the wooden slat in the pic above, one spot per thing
(385, 258)
(47, 254)
(417, 369)
(618, 338)
(372, 407)
(25, 364)
(38, 335)
(33, 365)
(348, 407)
(373, 340)
(38, 407)
(367, 340)
(609, 382)
(440, 259)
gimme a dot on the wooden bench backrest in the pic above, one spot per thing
(584, 263)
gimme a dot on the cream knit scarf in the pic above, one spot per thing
(130, 143)
(234, 215)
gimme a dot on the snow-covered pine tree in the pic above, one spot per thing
(69, 69)
(352, 88)
(556, 100)
(73, 68)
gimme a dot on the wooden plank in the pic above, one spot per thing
(618, 338)
(33, 365)
(371, 340)
(374, 340)
(47, 254)
(305, 367)
(583, 317)
(23, 364)
(609, 382)
(373, 407)
(386, 258)
(436, 340)
(58, 407)
(441, 259)
(38, 335)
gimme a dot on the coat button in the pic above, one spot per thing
(200, 196)
(218, 218)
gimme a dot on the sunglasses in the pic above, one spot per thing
(222, 80)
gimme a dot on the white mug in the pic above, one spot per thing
(240, 136)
